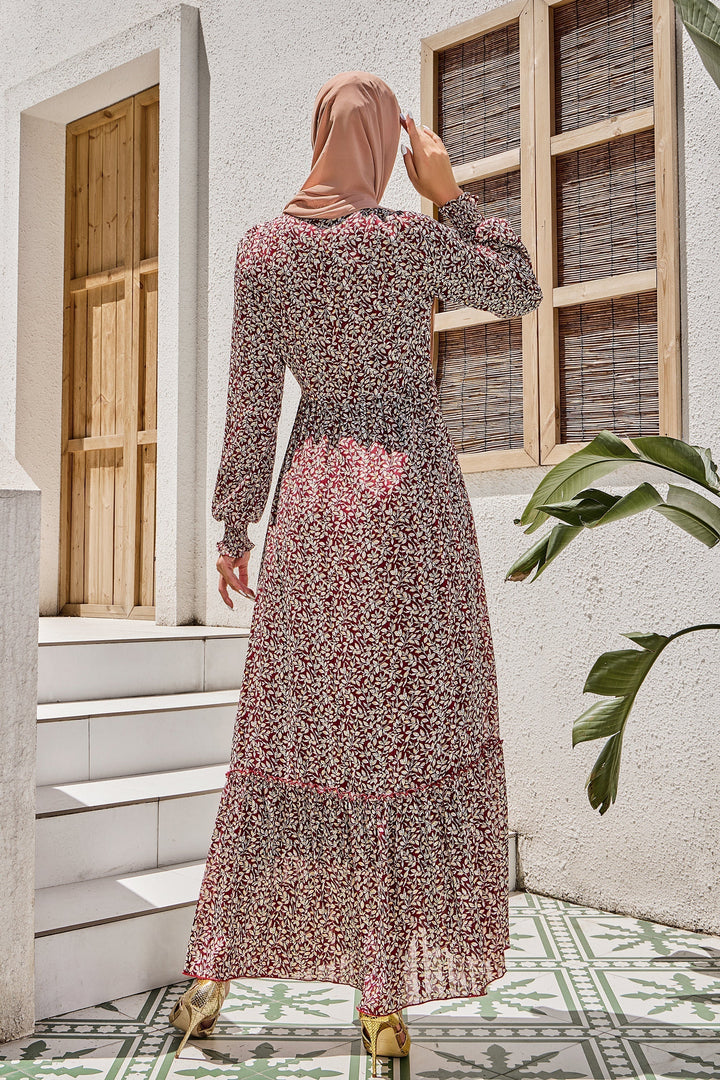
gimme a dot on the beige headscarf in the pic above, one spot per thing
(355, 136)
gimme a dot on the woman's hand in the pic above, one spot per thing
(428, 164)
(239, 582)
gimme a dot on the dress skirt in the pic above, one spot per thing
(362, 831)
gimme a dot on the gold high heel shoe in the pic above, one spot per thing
(382, 1036)
(202, 1001)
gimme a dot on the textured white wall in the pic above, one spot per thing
(19, 550)
(649, 854)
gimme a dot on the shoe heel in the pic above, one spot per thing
(388, 1044)
(203, 1001)
(194, 1019)
(373, 1025)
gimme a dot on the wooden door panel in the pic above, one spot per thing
(107, 491)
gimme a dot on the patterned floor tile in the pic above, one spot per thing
(530, 940)
(686, 1060)
(257, 1003)
(663, 994)
(620, 936)
(75, 1055)
(266, 1059)
(588, 995)
(551, 1058)
(521, 996)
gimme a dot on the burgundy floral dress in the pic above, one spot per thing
(362, 834)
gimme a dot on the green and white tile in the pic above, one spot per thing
(588, 995)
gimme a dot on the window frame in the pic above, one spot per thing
(539, 147)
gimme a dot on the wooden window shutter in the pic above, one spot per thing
(566, 128)
(477, 93)
(606, 187)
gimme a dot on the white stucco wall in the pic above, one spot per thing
(19, 548)
(652, 853)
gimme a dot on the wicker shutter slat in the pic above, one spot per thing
(608, 367)
(479, 95)
(605, 199)
(480, 386)
(603, 60)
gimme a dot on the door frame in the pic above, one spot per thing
(164, 50)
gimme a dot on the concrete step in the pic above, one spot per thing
(101, 662)
(92, 828)
(106, 737)
(111, 936)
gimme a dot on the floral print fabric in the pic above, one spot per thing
(361, 836)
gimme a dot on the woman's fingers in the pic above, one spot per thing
(233, 572)
(429, 166)
(410, 165)
(222, 589)
(434, 136)
(414, 132)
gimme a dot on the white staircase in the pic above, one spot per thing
(128, 790)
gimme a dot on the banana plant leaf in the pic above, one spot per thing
(606, 453)
(693, 513)
(701, 19)
(594, 507)
(693, 462)
(603, 455)
(687, 509)
(542, 553)
(618, 676)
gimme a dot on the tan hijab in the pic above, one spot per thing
(355, 136)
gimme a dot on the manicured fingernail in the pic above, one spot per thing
(408, 113)
(403, 148)
(402, 114)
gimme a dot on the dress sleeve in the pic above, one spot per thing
(477, 261)
(255, 389)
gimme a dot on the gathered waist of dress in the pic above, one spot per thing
(404, 397)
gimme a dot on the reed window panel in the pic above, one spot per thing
(560, 116)
(477, 93)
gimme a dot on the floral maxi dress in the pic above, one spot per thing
(362, 833)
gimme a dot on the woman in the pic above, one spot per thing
(362, 832)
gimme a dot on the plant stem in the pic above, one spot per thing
(689, 630)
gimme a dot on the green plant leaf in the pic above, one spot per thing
(702, 22)
(620, 673)
(692, 512)
(558, 540)
(541, 553)
(636, 501)
(602, 784)
(617, 675)
(577, 512)
(526, 563)
(603, 455)
(648, 641)
(693, 462)
(603, 718)
(696, 504)
(689, 524)
(591, 507)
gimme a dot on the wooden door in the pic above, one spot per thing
(109, 425)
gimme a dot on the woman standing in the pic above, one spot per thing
(362, 831)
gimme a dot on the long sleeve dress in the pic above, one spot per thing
(361, 836)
